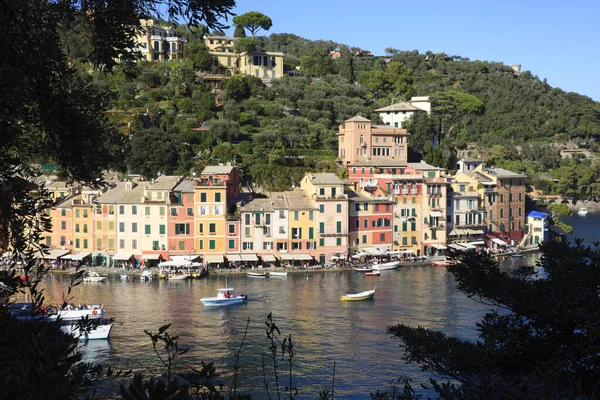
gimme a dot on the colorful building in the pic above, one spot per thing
(327, 192)
(181, 224)
(158, 42)
(359, 140)
(216, 189)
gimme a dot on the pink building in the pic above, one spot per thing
(181, 219)
(359, 140)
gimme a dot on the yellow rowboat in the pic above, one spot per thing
(358, 296)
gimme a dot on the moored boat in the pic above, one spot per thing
(443, 262)
(582, 211)
(68, 317)
(224, 297)
(257, 274)
(91, 276)
(277, 273)
(123, 276)
(373, 273)
(146, 275)
(386, 266)
(177, 277)
(363, 269)
(358, 296)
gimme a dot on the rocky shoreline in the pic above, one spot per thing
(592, 206)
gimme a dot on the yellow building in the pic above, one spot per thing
(227, 62)
(158, 42)
(215, 189)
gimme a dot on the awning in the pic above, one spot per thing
(438, 246)
(268, 257)
(299, 256)
(457, 232)
(457, 246)
(80, 256)
(499, 242)
(474, 231)
(188, 258)
(213, 258)
(374, 251)
(477, 243)
(52, 254)
(359, 255)
(67, 257)
(151, 256)
(436, 214)
(122, 256)
(249, 257)
(234, 257)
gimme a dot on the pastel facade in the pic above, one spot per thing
(228, 62)
(181, 219)
(327, 192)
(216, 189)
(360, 140)
(159, 43)
(537, 229)
(370, 222)
(466, 219)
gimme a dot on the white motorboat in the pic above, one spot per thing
(257, 275)
(91, 276)
(68, 317)
(363, 269)
(277, 273)
(385, 266)
(224, 297)
(582, 211)
(146, 275)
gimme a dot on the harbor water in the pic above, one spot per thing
(305, 305)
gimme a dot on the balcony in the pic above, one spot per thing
(472, 225)
(434, 195)
(369, 183)
(329, 233)
(437, 227)
(209, 182)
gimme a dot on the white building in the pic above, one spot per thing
(536, 228)
(395, 114)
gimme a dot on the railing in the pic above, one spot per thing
(434, 195)
(232, 217)
(209, 182)
(343, 233)
(437, 227)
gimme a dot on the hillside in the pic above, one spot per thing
(277, 133)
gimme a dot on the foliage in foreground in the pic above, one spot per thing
(541, 341)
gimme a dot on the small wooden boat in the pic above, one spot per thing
(363, 269)
(358, 296)
(257, 274)
(277, 273)
(582, 211)
(123, 276)
(373, 273)
(386, 266)
(177, 277)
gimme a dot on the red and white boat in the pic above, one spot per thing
(373, 273)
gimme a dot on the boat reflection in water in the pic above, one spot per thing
(306, 305)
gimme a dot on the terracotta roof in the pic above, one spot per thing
(358, 118)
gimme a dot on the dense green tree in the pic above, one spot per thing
(197, 53)
(421, 128)
(318, 63)
(239, 32)
(254, 21)
(346, 63)
(452, 106)
(53, 113)
(395, 81)
(155, 150)
(540, 341)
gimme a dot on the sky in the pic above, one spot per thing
(556, 40)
